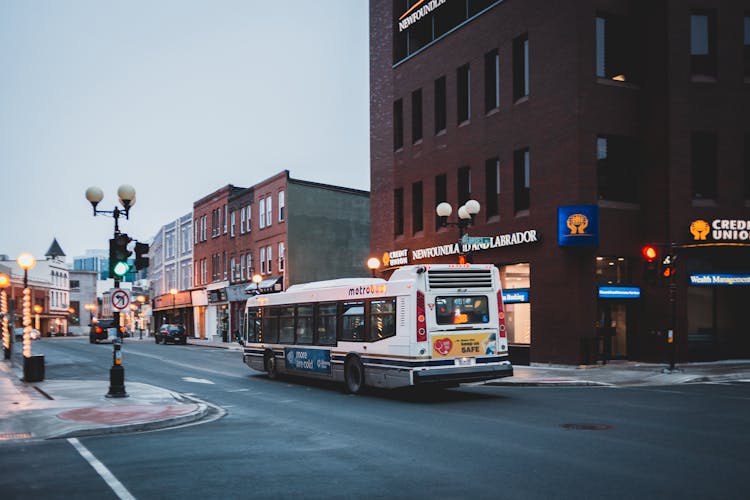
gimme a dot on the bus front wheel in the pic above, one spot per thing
(271, 365)
(354, 375)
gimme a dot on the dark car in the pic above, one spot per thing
(171, 333)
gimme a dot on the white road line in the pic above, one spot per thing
(197, 380)
(103, 471)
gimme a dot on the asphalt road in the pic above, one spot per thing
(302, 439)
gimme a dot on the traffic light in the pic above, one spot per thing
(651, 264)
(141, 257)
(118, 256)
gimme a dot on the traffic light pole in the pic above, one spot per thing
(673, 307)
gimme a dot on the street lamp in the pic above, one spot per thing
(173, 291)
(5, 283)
(33, 367)
(466, 215)
(373, 263)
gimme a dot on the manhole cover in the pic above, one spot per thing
(586, 427)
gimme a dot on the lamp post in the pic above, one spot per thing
(466, 215)
(5, 283)
(373, 263)
(33, 367)
(126, 196)
(173, 292)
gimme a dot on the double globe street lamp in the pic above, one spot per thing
(466, 215)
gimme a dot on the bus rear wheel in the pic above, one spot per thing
(354, 375)
(271, 368)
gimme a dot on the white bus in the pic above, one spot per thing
(429, 324)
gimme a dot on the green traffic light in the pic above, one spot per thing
(121, 268)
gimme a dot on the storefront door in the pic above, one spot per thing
(612, 329)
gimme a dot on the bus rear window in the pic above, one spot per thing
(457, 310)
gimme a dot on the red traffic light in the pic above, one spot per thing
(649, 253)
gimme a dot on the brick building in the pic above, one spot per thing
(280, 231)
(586, 130)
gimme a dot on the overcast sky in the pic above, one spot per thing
(175, 97)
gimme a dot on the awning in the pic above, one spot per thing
(268, 285)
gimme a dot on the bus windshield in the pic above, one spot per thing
(459, 310)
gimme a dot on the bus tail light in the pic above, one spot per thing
(421, 322)
(501, 315)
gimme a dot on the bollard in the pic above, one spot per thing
(117, 373)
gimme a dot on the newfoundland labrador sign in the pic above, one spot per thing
(417, 11)
(501, 240)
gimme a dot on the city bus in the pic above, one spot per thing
(438, 324)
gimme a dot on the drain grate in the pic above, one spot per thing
(586, 427)
(18, 435)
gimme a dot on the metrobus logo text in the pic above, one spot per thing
(367, 290)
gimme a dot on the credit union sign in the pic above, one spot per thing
(720, 231)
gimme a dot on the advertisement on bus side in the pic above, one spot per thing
(477, 344)
(308, 360)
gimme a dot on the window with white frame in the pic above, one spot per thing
(249, 210)
(242, 266)
(233, 276)
(262, 259)
(281, 257)
(232, 221)
(262, 213)
(281, 206)
(225, 219)
(242, 221)
(269, 211)
(269, 260)
(249, 265)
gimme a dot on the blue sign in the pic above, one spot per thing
(308, 360)
(619, 292)
(578, 225)
(516, 296)
(720, 279)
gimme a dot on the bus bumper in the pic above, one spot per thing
(462, 374)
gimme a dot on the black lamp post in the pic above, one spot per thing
(7, 340)
(466, 215)
(33, 366)
(126, 196)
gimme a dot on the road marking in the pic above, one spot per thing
(238, 390)
(197, 380)
(102, 470)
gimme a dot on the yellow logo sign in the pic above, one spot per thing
(386, 259)
(699, 229)
(577, 223)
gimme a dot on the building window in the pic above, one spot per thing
(262, 260)
(225, 218)
(250, 269)
(417, 207)
(398, 125)
(441, 115)
(269, 211)
(703, 42)
(614, 47)
(491, 80)
(703, 165)
(281, 206)
(398, 212)
(746, 47)
(617, 168)
(233, 270)
(521, 180)
(463, 94)
(416, 116)
(262, 213)
(441, 195)
(242, 222)
(269, 257)
(281, 257)
(464, 185)
(242, 267)
(492, 187)
(521, 67)
(233, 217)
(249, 226)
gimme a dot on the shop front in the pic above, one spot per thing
(217, 312)
(174, 309)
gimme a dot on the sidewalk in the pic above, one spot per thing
(69, 408)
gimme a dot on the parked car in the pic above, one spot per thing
(105, 329)
(171, 333)
(18, 333)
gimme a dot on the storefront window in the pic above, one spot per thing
(517, 314)
(612, 270)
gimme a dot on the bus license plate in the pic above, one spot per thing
(465, 361)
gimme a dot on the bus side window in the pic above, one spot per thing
(286, 325)
(326, 324)
(382, 319)
(251, 326)
(270, 325)
(353, 321)
(304, 324)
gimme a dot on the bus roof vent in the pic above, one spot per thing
(459, 278)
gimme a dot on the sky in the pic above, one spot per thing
(176, 98)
